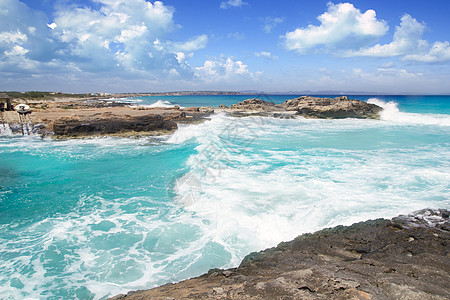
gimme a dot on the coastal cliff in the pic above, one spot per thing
(406, 257)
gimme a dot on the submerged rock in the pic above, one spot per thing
(403, 258)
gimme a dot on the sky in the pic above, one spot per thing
(382, 46)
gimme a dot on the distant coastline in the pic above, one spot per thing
(34, 95)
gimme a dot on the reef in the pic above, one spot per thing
(406, 257)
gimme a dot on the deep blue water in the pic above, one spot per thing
(91, 218)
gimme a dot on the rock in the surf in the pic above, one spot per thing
(332, 108)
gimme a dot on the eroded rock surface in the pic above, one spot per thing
(334, 108)
(113, 125)
(310, 107)
(403, 258)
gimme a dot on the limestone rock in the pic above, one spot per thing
(111, 125)
(375, 259)
(332, 108)
(206, 110)
(253, 105)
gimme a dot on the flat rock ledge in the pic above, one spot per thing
(68, 127)
(309, 107)
(403, 258)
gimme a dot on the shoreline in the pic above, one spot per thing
(84, 117)
(406, 257)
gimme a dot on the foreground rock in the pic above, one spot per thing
(113, 125)
(310, 107)
(403, 258)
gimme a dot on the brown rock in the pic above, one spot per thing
(206, 110)
(369, 260)
(76, 127)
(254, 105)
(332, 108)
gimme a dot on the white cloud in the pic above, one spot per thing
(399, 73)
(439, 52)
(223, 69)
(119, 34)
(266, 55)
(236, 36)
(341, 26)
(409, 44)
(24, 32)
(52, 25)
(192, 45)
(270, 23)
(13, 37)
(17, 50)
(232, 3)
(407, 39)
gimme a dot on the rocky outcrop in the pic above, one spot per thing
(403, 258)
(254, 105)
(309, 107)
(100, 126)
(332, 108)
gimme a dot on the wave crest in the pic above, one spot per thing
(392, 113)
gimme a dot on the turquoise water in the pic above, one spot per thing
(418, 104)
(88, 219)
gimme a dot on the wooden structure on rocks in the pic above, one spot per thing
(5, 105)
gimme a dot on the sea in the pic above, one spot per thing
(92, 218)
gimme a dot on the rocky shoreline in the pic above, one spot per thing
(74, 118)
(406, 257)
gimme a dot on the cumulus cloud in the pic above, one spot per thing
(341, 26)
(439, 52)
(126, 36)
(120, 34)
(192, 45)
(409, 44)
(223, 69)
(270, 23)
(266, 55)
(23, 32)
(232, 3)
(407, 39)
(17, 50)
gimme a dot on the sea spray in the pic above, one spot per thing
(392, 113)
(5, 130)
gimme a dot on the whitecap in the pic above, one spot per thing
(392, 113)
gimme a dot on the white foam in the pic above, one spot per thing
(256, 195)
(392, 113)
(200, 131)
(252, 183)
(5, 130)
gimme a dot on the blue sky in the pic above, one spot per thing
(289, 45)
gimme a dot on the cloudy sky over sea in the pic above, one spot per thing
(390, 46)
